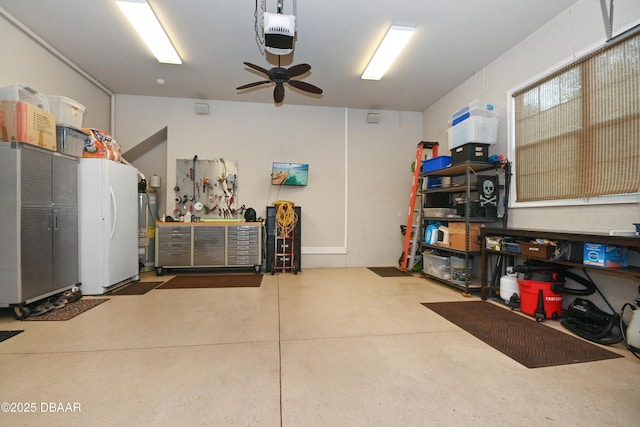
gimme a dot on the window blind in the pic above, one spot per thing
(577, 130)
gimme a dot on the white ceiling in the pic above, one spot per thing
(454, 39)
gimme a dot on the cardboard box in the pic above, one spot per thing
(460, 228)
(457, 233)
(536, 250)
(493, 243)
(457, 241)
(23, 122)
(607, 256)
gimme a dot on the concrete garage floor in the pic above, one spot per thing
(326, 347)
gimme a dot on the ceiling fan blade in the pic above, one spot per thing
(257, 68)
(305, 86)
(278, 93)
(247, 86)
(297, 70)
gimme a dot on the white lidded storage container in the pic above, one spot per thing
(435, 265)
(17, 92)
(67, 111)
(477, 129)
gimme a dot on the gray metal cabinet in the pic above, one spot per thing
(243, 245)
(173, 246)
(200, 245)
(40, 223)
(209, 246)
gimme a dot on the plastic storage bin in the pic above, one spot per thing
(459, 274)
(438, 212)
(470, 152)
(70, 141)
(436, 163)
(478, 129)
(435, 265)
(67, 111)
(17, 92)
(474, 108)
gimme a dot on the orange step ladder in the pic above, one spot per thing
(411, 230)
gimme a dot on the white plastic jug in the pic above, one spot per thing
(633, 330)
(509, 285)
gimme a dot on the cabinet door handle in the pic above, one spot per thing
(49, 221)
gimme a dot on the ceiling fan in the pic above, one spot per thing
(280, 76)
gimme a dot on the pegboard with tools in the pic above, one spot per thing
(206, 188)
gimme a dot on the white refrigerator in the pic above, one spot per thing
(108, 218)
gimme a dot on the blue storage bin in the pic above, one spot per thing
(436, 163)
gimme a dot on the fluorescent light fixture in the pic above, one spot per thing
(394, 41)
(139, 13)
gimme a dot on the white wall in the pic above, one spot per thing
(359, 179)
(26, 62)
(570, 33)
(359, 173)
(578, 28)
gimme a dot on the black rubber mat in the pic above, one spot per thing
(5, 335)
(213, 281)
(531, 343)
(389, 271)
(136, 288)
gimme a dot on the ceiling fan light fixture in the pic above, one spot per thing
(393, 43)
(145, 22)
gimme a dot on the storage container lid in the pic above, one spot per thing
(474, 108)
(19, 92)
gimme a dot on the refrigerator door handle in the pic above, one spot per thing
(115, 213)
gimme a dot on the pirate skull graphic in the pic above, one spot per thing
(488, 195)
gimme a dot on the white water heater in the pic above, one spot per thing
(147, 214)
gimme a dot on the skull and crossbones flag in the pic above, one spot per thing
(489, 194)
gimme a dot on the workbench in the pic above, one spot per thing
(487, 286)
(208, 245)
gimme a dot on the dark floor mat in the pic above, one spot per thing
(526, 341)
(70, 310)
(389, 271)
(213, 281)
(136, 288)
(5, 335)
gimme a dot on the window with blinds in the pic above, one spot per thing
(577, 131)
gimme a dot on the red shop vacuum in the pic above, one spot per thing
(541, 291)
